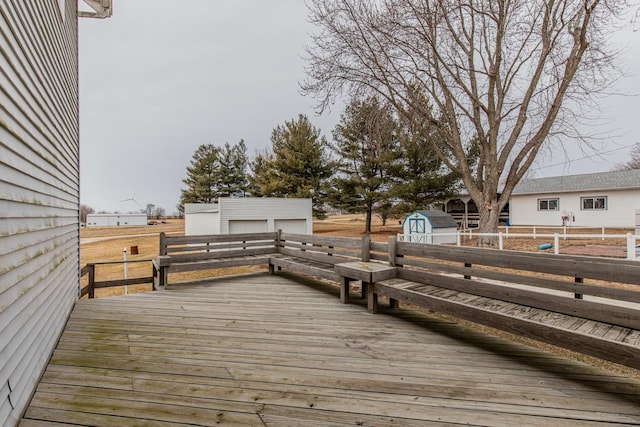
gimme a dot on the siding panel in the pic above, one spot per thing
(39, 190)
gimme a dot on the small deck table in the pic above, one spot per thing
(368, 272)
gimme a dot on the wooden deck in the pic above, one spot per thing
(274, 350)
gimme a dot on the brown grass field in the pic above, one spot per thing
(107, 244)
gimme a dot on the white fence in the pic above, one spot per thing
(631, 239)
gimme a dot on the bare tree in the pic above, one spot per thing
(633, 162)
(509, 74)
(84, 211)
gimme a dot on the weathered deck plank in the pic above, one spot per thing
(267, 350)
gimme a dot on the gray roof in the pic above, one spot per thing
(617, 180)
(439, 219)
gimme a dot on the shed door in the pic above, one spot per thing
(298, 226)
(416, 225)
(247, 226)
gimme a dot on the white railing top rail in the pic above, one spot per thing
(428, 238)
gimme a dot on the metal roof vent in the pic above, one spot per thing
(100, 9)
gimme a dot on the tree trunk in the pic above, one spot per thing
(367, 226)
(488, 223)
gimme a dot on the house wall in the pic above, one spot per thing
(620, 212)
(39, 192)
(273, 209)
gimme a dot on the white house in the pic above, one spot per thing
(39, 195)
(249, 215)
(608, 199)
(429, 227)
(115, 220)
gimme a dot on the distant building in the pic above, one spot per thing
(249, 215)
(116, 220)
(425, 227)
(466, 213)
(608, 199)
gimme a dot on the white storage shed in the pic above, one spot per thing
(116, 220)
(425, 227)
(249, 215)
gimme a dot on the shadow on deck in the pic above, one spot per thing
(281, 350)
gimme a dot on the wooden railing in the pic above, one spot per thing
(90, 271)
(535, 295)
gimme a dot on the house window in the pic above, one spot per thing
(548, 204)
(593, 203)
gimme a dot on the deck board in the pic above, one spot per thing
(276, 350)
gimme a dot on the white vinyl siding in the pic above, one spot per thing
(263, 208)
(247, 226)
(39, 190)
(298, 226)
(620, 209)
(201, 223)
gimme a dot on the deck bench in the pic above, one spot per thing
(318, 256)
(589, 305)
(191, 253)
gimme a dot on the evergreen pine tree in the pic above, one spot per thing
(365, 140)
(296, 166)
(215, 172)
(419, 176)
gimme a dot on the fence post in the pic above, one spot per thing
(163, 244)
(500, 246)
(393, 250)
(556, 243)
(603, 233)
(458, 238)
(565, 232)
(92, 280)
(366, 247)
(534, 232)
(631, 247)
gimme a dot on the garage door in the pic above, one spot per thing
(291, 225)
(247, 226)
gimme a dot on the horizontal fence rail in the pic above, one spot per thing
(431, 238)
(90, 270)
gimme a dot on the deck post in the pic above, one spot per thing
(163, 244)
(393, 249)
(92, 280)
(366, 247)
(344, 290)
(372, 299)
(278, 242)
(392, 241)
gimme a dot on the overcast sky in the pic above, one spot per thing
(160, 78)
